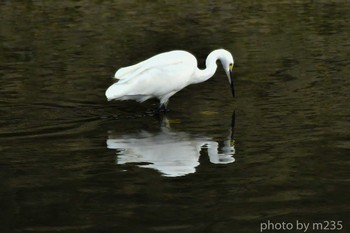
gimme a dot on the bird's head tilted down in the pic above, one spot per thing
(228, 63)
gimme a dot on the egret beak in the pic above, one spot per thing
(231, 82)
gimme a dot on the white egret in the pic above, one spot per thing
(163, 75)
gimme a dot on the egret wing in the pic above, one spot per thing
(159, 76)
(122, 72)
(160, 60)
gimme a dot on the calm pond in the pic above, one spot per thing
(278, 153)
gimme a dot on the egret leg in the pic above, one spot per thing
(163, 108)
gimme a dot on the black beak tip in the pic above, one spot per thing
(232, 85)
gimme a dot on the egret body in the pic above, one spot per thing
(163, 75)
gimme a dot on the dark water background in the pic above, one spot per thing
(279, 152)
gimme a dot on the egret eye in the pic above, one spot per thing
(230, 66)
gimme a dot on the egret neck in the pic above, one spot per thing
(211, 66)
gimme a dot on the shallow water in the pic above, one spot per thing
(73, 162)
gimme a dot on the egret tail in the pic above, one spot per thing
(115, 92)
(122, 92)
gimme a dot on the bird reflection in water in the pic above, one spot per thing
(173, 153)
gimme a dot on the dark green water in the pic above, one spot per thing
(73, 162)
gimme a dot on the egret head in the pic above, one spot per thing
(227, 63)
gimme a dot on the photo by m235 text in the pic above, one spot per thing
(326, 225)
